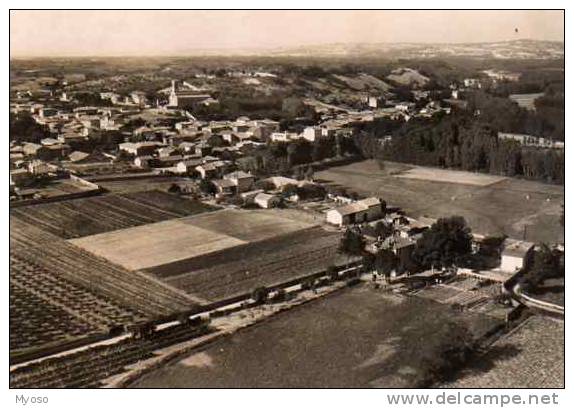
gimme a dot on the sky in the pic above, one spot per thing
(130, 33)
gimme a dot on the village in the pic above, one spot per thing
(163, 208)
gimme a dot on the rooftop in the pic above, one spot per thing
(513, 247)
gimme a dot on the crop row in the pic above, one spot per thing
(89, 271)
(261, 264)
(36, 282)
(36, 323)
(88, 368)
(93, 215)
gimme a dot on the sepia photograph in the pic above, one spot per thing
(287, 199)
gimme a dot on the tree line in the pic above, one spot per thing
(460, 141)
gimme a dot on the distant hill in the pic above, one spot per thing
(408, 76)
(517, 49)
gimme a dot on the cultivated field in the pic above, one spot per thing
(352, 338)
(250, 225)
(93, 215)
(107, 279)
(220, 254)
(532, 356)
(511, 206)
(151, 245)
(143, 184)
(526, 100)
(46, 308)
(155, 244)
(89, 368)
(240, 269)
(36, 322)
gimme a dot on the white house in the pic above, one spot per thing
(187, 166)
(280, 181)
(264, 200)
(360, 211)
(283, 136)
(241, 180)
(312, 134)
(516, 255)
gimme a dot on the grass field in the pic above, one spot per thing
(353, 338)
(450, 176)
(94, 215)
(249, 225)
(510, 206)
(530, 357)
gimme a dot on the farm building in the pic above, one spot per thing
(213, 169)
(404, 248)
(187, 165)
(280, 181)
(249, 196)
(516, 255)
(202, 149)
(139, 149)
(360, 211)
(185, 98)
(264, 200)
(78, 156)
(20, 177)
(38, 167)
(143, 161)
(312, 134)
(283, 136)
(241, 180)
(224, 187)
(375, 101)
(167, 151)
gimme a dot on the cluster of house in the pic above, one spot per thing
(310, 133)
(531, 141)
(502, 75)
(190, 145)
(515, 255)
(26, 174)
(396, 110)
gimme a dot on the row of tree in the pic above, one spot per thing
(282, 158)
(462, 142)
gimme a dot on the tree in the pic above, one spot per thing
(491, 245)
(385, 262)
(442, 244)
(289, 190)
(368, 261)
(293, 107)
(174, 188)
(260, 294)
(546, 264)
(309, 173)
(332, 272)
(352, 243)
(23, 128)
(383, 229)
(310, 191)
(207, 187)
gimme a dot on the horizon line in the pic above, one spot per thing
(244, 51)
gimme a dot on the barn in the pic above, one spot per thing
(364, 210)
